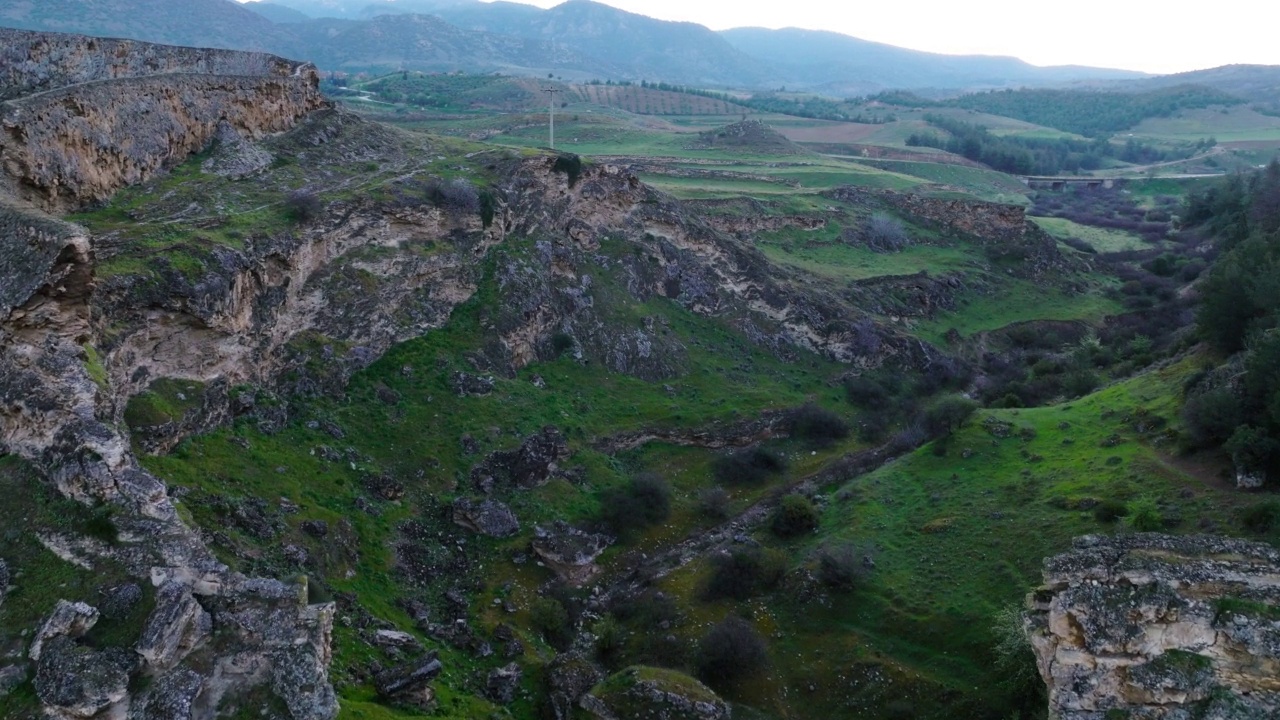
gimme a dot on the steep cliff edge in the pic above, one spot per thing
(1158, 626)
(82, 117)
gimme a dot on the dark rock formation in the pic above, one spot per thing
(487, 517)
(1160, 627)
(410, 684)
(502, 683)
(526, 467)
(654, 693)
(570, 552)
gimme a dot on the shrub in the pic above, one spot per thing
(747, 467)
(1109, 511)
(731, 651)
(818, 425)
(550, 617)
(884, 233)
(302, 205)
(561, 343)
(1261, 518)
(487, 208)
(713, 503)
(570, 165)
(794, 516)
(1145, 516)
(743, 573)
(644, 501)
(841, 567)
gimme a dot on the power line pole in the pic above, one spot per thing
(552, 93)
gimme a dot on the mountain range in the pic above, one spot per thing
(578, 40)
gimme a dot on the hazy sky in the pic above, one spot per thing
(1159, 36)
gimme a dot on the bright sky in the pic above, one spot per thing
(1157, 36)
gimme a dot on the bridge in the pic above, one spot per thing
(1060, 183)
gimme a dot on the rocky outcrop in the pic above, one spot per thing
(646, 692)
(570, 552)
(410, 684)
(1160, 627)
(528, 466)
(487, 517)
(1003, 231)
(83, 117)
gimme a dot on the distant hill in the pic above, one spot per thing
(424, 42)
(197, 23)
(278, 14)
(579, 40)
(635, 46)
(847, 65)
(1258, 84)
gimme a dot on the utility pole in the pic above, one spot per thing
(552, 92)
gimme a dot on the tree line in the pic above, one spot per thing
(1039, 156)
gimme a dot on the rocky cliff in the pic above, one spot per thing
(1157, 626)
(82, 117)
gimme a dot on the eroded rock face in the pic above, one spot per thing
(1160, 627)
(78, 121)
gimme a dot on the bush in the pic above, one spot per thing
(644, 501)
(841, 567)
(1145, 516)
(884, 233)
(748, 467)
(713, 503)
(794, 516)
(1211, 417)
(818, 425)
(1251, 448)
(302, 205)
(865, 392)
(731, 651)
(487, 208)
(1109, 511)
(744, 573)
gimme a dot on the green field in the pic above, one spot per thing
(1104, 240)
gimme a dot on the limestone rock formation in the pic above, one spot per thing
(655, 693)
(83, 117)
(1160, 627)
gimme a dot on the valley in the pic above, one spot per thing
(344, 395)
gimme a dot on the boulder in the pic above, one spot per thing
(502, 683)
(396, 639)
(170, 697)
(177, 626)
(74, 681)
(68, 619)
(487, 517)
(410, 684)
(119, 602)
(656, 693)
(528, 466)
(569, 677)
(315, 528)
(468, 385)
(570, 552)
(11, 677)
